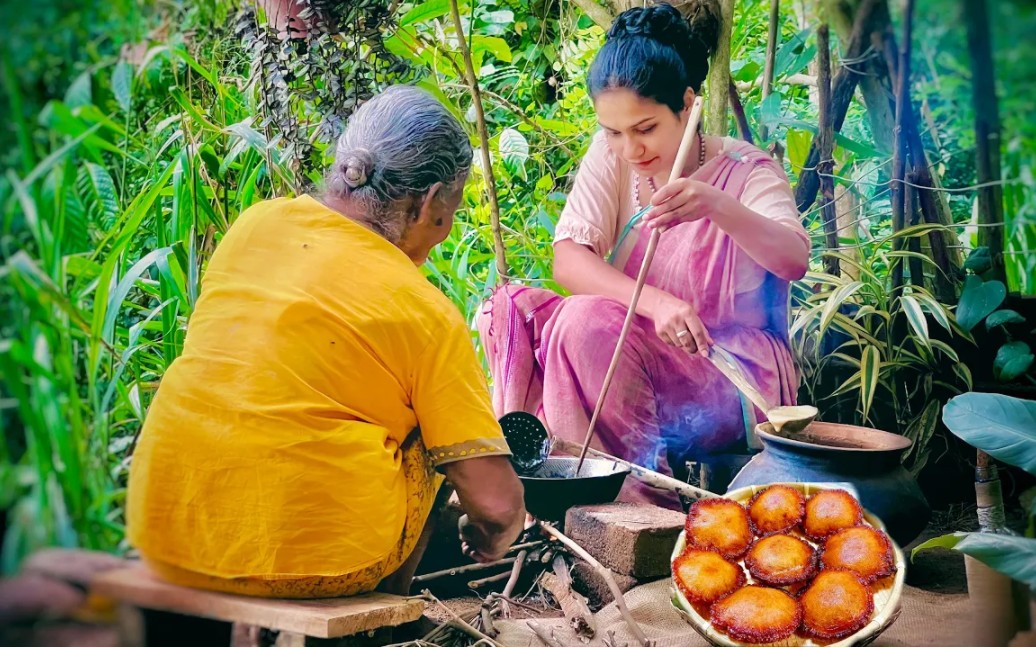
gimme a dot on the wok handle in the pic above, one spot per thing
(681, 158)
(651, 477)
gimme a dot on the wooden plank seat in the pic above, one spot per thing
(136, 587)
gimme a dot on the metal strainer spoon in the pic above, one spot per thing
(528, 440)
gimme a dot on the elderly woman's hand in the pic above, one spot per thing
(684, 200)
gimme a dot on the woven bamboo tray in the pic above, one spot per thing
(886, 593)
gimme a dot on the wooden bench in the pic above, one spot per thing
(135, 588)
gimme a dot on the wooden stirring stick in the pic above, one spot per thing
(681, 159)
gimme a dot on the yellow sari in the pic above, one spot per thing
(280, 457)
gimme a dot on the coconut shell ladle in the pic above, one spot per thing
(784, 419)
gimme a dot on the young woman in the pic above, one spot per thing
(731, 243)
(296, 447)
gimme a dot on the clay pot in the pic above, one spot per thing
(869, 459)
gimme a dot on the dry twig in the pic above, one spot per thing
(620, 601)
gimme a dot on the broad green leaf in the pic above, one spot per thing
(979, 260)
(949, 542)
(978, 299)
(425, 11)
(1003, 317)
(916, 318)
(122, 85)
(790, 61)
(79, 93)
(870, 371)
(1012, 360)
(770, 109)
(1011, 555)
(1002, 426)
(495, 46)
(798, 148)
(513, 146)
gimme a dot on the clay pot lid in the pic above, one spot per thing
(849, 438)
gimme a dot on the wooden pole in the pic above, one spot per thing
(843, 87)
(826, 165)
(987, 133)
(719, 73)
(899, 155)
(483, 134)
(771, 57)
(739, 113)
(930, 203)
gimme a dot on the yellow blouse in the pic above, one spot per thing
(273, 444)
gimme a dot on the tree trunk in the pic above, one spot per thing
(900, 151)
(880, 111)
(772, 37)
(825, 169)
(603, 17)
(719, 74)
(739, 113)
(987, 133)
(934, 207)
(842, 90)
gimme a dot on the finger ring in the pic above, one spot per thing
(683, 332)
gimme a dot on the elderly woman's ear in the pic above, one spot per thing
(429, 212)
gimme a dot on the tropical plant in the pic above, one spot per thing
(1005, 428)
(980, 300)
(885, 343)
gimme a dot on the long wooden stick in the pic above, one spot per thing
(681, 158)
(502, 270)
(651, 477)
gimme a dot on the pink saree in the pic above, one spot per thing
(548, 354)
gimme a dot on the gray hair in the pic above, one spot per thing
(396, 146)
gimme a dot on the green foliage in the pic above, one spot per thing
(1005, 428)
(139, 132)
(883, 340)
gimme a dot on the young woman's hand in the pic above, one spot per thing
(684, 200)
(677, 323)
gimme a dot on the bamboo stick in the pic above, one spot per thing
(651, 477)
(825, 168)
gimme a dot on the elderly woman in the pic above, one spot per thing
(731, 243)
(325, 389)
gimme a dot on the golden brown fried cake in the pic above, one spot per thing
(780, 560)
(756, 614)
(829, 511)
(704, 576)
(721, 525)
(836, 605)
(864, 550)
(776, 509)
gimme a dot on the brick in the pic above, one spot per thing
(629, 538)
(587, 581)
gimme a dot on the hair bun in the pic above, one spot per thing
(357, 168)
(663, 23)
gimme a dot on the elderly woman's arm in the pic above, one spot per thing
(492, 498)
